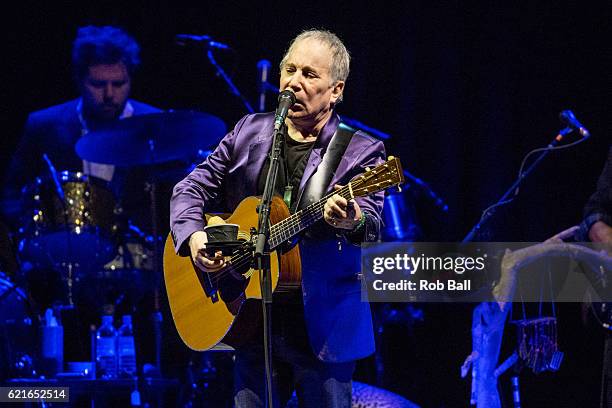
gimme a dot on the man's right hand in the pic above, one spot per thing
(197, 245)
(601, 232)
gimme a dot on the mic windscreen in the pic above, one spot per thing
(285, 97)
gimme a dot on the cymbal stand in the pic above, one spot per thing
(156, 316)
(62, 198)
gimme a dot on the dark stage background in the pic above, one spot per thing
(464, 88)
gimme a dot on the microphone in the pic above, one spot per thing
(184, 39)
(286, 99)
(568, 118)
(58, 187)
(263, 67)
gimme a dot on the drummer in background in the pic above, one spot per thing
(104, 60)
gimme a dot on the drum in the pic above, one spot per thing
(131, 272)
(77, 229)
(125, 280)
(17, 333)
(133, 253)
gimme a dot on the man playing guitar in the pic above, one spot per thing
(320, 326)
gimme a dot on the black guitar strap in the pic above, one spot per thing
(316, 186)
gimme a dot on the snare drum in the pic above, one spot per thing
(77, 230)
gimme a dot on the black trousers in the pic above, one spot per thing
(295, 367)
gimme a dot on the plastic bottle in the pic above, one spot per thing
(106, 353)
(126, 351)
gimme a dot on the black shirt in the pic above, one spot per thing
(294, 158)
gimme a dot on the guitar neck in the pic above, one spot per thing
(291, 226)
(383, 176)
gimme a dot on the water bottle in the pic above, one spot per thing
(106, 355)
(126, 352)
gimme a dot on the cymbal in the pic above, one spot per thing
(151, 139)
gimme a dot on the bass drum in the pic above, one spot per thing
(77, 229)
(17, 332)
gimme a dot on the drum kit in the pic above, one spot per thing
(73, 226)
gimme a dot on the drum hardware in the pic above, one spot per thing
(17, 332)
(58, 187)
(69, 283)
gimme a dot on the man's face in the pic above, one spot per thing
(306, 72)
(105, 89)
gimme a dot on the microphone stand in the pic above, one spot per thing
(491, 210)
(425, 188)
(262, 255)
(221, 72)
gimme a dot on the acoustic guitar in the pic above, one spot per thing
(209, 308)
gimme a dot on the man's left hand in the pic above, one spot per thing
(341, 213)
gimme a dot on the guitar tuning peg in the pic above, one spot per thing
(368, 169)
(399, 189)
(390, 158)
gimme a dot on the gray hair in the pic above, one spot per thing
(341, 58)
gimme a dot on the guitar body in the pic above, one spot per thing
(209, 308)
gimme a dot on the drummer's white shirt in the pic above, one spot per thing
(101, 171)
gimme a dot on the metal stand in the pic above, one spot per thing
(491, 210)
(156, 316)
(516, 392)
(228, 81)
(262, 255)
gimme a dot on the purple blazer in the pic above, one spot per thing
(339, 325)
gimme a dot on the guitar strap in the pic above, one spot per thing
(316, 186)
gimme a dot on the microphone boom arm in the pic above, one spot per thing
(233, 89)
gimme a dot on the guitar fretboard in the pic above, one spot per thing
(291, 226)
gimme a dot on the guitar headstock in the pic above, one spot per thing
(380, 178)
